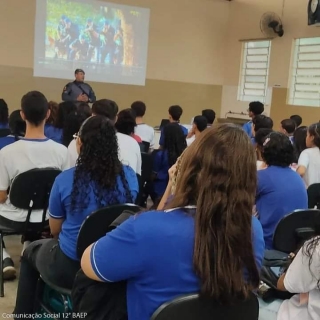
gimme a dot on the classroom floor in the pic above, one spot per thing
(7, 303)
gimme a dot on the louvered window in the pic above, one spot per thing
(305, 73)
(254, 71)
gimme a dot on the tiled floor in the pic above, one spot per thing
(7, 303)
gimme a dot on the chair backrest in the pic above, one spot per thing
(192, 307)
(146, 146)
(294, 229)
(4, 132)
(98, 224)
(314, 196)
(32, 188)
(146, 167)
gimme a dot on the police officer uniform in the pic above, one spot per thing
(73, 89)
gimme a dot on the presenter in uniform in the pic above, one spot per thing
(78, 90)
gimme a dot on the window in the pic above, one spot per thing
(254, 71)
(305, 73)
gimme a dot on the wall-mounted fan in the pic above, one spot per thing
(271, 25)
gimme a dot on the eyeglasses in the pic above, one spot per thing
(76, 136)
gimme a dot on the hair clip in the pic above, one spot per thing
(266, 141)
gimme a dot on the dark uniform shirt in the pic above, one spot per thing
(73, 89)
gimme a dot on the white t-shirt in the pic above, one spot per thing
(22, 156)
(146, 133)
(190, 140)
(304, 280)
(310, 159)
(129, 152)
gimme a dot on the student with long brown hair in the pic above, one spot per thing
(205, 241)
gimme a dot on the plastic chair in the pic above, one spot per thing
(192, 307)
(294, 229)
(29, 191)
(95, 226)
(314, 196)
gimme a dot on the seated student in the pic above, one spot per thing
(202, 243)
(98, 180)
(297, 119)
(173, 146)
(260, 122)
(309, 160)
(50, 130)
(17, 127)
(200, 123)
(129, 150)
(175, 112)
(255, 108)
(74, 121)
(302, 279)
(260, 137)
(55, 131)
(126, 124)
(280, 190)
(32, 151)
(288, 127)
(4, 115)
(299, 141)
(145, 132)
(210, 115)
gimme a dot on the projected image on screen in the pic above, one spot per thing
(108, 41)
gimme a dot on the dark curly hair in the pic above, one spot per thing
(299, 141)
(126, 122)
(17, 125)
(98, 166)
(174, 142)
(4, 112)
(278, 150)
(65, 108)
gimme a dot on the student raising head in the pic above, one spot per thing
(207, 241)
(98, 180)
(280, 189)
(309, 160)
(173, 146)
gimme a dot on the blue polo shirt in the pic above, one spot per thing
(161, 167)
(53, 133)
(60, 206)
(184, 129)
(247, 127)
(280, 191)
(5, 141)
(153, 251)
